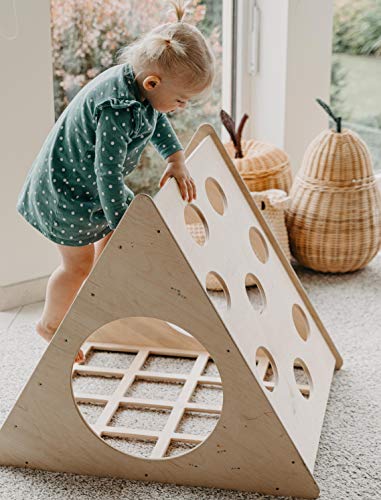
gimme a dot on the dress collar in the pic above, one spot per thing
(130, 79)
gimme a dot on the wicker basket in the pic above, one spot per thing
(263, 166)
(334, 218)
(273, 204)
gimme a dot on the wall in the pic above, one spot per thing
(309, 60)
(294, 68)
(27, 115)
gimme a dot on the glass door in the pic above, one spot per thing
(356, 70)
(85, 38)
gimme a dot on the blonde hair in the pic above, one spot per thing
(178, 49)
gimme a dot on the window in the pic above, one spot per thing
(356, 70)
(85, 38)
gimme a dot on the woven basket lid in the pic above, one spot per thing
(277, 198)
(259, 158)
(337, 157)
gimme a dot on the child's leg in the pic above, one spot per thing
(99, 246)
(63, 286)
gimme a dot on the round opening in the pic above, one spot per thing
(258, 244)
(215, 195)
(302, 378)
(196, 224)
(300, 321)
(255, 292)
(266, 368)
(218, 291)
(134, 384)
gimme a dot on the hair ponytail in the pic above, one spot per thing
(179, 8)
(177, 48)
(157, 43)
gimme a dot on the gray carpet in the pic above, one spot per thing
(349, 457)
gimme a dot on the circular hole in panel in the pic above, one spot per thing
(255, 292)
(266, 368)
(258, 244)
(134, 426)
(302, 378)
(216, 196)
(196, 224)
(217, 291)
(300, 321)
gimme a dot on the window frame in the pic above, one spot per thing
(280, 104)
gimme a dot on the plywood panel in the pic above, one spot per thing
(152, 275)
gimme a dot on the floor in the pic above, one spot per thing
(349, 457)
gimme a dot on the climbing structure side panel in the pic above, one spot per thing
(238, 247)
(152, 268)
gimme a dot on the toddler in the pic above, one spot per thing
(74, 193)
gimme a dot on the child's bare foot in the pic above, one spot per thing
(47, 334)
(80, 357)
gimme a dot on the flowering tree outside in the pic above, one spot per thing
(87, 34)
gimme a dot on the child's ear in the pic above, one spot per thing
(151, 82)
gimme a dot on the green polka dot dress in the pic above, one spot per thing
(74, 193)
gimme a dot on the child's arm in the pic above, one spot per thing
(111, 149)
(176, 168)
(167, 144)
(164, 138)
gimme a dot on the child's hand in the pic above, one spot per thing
(176, 168)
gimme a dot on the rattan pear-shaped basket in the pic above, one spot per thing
(334, 217)
(262, 166)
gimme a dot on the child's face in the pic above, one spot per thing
(166, 94)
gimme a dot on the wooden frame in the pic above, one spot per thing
(152, 275)
(135, 372)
